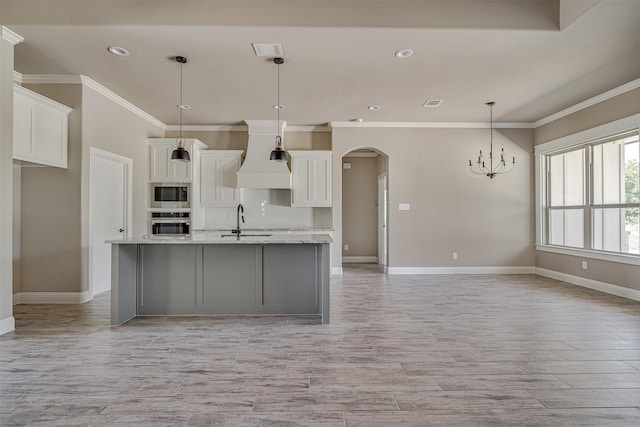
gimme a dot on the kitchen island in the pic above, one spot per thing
(220, 274)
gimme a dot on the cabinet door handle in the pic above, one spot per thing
(120, 230)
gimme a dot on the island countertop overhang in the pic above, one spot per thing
(250, 238)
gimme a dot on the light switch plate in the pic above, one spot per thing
(404, 206)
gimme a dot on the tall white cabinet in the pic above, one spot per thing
(310, 178)
(218, 178)
(40, 128)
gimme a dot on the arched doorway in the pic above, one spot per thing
(364, 207)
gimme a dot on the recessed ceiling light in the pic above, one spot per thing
(404, 53)
(374, 107)
(120, 51)
(279, 107)
(184, 106)
(357, 120)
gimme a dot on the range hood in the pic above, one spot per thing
(258, 171)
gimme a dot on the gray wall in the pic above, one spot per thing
(604, 112)
(359, 207)
(55, 201)
(490, 223)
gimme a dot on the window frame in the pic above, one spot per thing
(586, 140)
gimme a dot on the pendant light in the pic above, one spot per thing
(480, 168)
(180, 154)
(278, 154)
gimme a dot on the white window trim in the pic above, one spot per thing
(576, 139)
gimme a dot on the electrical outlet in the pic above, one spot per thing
(455, 255)
(346, 248)
(584, 265)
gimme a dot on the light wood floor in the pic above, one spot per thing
(517, 350)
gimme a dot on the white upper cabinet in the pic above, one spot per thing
(311, 178)
(162, 168)
(40, 128)
(218, 177)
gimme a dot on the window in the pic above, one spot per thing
(592, 195)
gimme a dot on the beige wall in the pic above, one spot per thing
(607, 111)
(55, 201)
(621, 106)
(16, 225)
(489, 223)
(359, 207)
(238, 140)
(50, 246)
(6, 185)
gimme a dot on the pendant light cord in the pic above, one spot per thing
(278, 100)
(180, 106)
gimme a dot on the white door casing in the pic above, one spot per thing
(382, 219)
(110, 212)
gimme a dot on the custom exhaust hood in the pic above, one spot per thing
(257, 171)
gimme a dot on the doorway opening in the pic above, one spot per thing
(365, 207)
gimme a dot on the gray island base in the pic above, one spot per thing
(216, 275)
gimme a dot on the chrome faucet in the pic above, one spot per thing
(239, 213)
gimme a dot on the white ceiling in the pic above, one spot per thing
(339, 55)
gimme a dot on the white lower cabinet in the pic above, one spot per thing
(218, 178)
(40, 128)
(310, 178)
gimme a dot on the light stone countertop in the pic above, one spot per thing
(247, 237)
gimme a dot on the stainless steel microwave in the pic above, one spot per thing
(172, 196)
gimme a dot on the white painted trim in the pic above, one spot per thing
(591, 134)
(209, 128)
(462, 270)
(11, 36)
(634, 84)
(92, 84)
(359, 259)
(7, 324)
(17, 77)
(608, 288)
(585, 253)
(51, 297)
(371, 154)
(336, 271)
(443, 125)
(40, 98)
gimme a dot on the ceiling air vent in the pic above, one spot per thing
(432, 103)
(268, 49)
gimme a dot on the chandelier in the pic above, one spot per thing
(481, 168)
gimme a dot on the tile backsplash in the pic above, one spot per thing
(265, 208)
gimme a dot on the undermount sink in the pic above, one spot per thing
(246, 235)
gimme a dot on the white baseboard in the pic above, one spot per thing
(336, 271)
(7, 325)
(461, 270)
(359, 259)
(608, 288)
(51, 297)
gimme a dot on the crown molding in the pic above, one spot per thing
(10, 36)
(433, 125)
(627, 87)
(17, 77)
(242, 128)
(92, 84)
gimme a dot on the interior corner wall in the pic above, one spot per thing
(488, 222)
(7, 322)
(359, 207)
(618, 107)
(50, 214)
